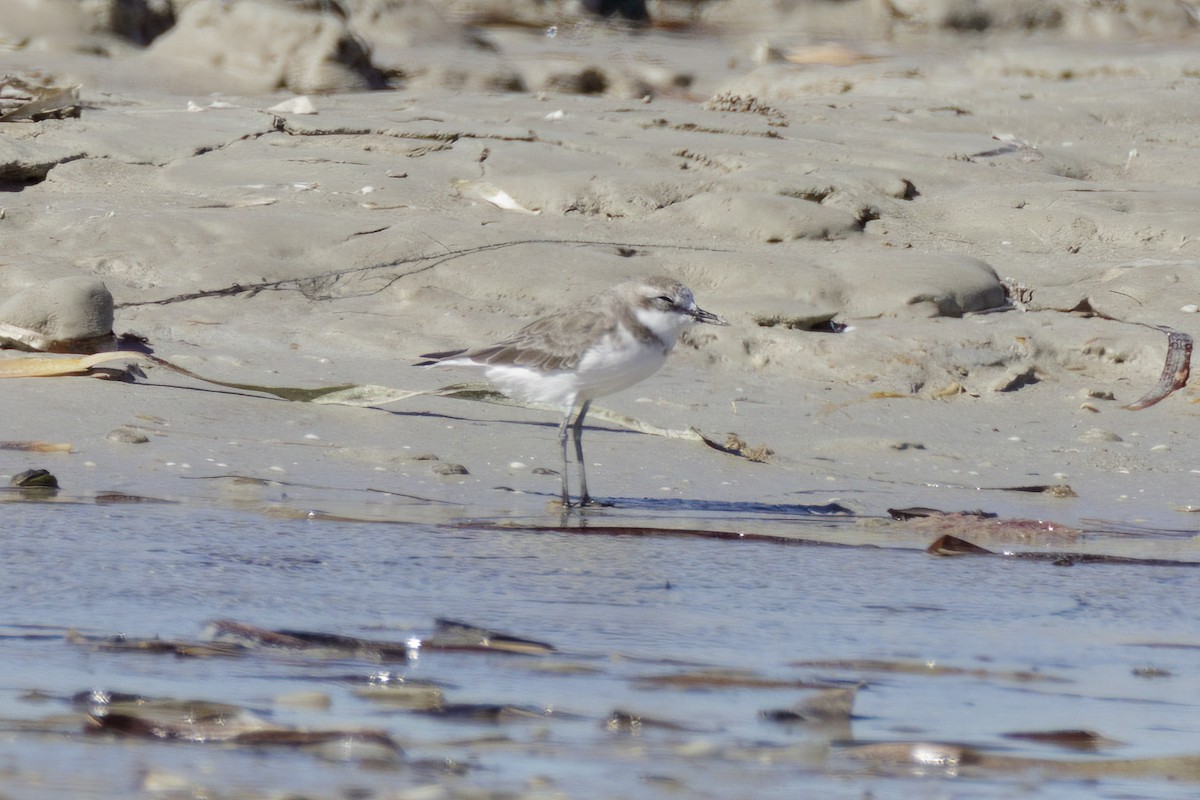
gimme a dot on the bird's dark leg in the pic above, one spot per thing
(577, 429)
(562, 442)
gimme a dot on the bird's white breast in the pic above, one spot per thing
(618, 361)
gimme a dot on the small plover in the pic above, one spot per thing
(568, 359)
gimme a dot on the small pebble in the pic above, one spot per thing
(1099, 435)
(127, 436)
(446, 468)
(34, 479)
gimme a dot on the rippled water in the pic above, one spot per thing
(618, 609)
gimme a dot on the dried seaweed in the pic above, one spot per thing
(948, 545)
(1176, 368)
(354, 395)
(37, 447)
(231, 725)
(1080, 740)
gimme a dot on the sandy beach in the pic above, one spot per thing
(947, 254)
(957, 246)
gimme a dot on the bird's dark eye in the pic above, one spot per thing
(664, 301)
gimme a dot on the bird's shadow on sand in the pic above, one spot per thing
(736, 507)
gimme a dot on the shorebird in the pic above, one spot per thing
(568, 359)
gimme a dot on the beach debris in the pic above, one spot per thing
(482, 190)
(37, 447)
(34, 479)
(1017, 378)
(215, 105)
(448, 468)
(201, 721)
(119, 498)
(827, 705)
(331, 645)
(984, 525)
(736, 445)
(127, 435)
(483, 712)
(621, 721)
(930, 668)
(922, 758)
(921, 512)
(1075, 739)
(1099, 435)
(1060, 490)
(816, 319)
(1176, 369)
(452, 635)
(352, 395)
(949, 545)
(22, 338)
(23, 100)
(301, 104)
(723, 679)
(1151, 672)
(224, 637)
(1011, 145)
(156, 646)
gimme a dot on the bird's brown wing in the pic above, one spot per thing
(555, 342)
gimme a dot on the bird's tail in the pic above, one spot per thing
(434, 358)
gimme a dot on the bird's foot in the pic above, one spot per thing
(584, 502)
(590, 502)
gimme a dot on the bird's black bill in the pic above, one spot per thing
(700, 315)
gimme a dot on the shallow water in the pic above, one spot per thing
(619, 609)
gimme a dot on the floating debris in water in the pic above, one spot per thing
(453, 635)
(828, 705)
(330, 644)
(949, 545)
(111, 498)
(1080, 740)
(724, 679)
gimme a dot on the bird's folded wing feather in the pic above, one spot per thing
(551, 343)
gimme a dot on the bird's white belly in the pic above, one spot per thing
(614, 364)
